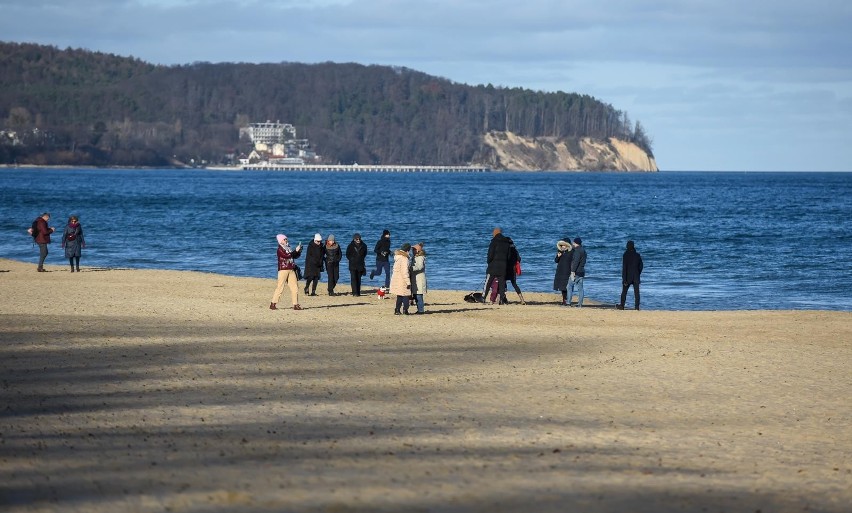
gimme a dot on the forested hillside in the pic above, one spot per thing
(79, 107)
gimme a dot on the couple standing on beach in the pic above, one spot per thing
(72, 240)
(570, 270)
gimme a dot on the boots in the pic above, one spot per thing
(272, 306)
(522, 298)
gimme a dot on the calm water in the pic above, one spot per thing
(709, 240)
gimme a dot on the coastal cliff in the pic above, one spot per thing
(508, 151)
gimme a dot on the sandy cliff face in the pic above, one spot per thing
(505, 150)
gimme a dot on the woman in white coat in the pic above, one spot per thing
(400, 283)
(418, 271)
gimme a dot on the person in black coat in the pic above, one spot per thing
(498, 259)
(356, 253)
(313, 264)
(383, 251)
(563, 268)
(511, 274)
(631, 268)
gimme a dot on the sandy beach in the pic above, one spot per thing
(134, 390)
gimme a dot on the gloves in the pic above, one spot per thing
(624, 283)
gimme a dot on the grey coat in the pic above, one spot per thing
(72, 240)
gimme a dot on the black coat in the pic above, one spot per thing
(498, 255)
(314, 259)
(382, 249)
(514, 257)
(563, 270)
(631, 266)
(356, 254)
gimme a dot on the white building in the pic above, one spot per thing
(270, 133)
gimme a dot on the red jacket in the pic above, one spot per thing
(43, 236)
(285, 258)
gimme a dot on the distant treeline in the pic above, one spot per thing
(75, 106)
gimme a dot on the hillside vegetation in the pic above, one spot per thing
(75, 106)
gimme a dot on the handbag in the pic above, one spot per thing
(518, 268)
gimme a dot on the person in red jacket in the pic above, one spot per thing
(41, 235)
(286, 272)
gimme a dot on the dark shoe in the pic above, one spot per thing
(297, 307)
(272, 306)
(72, 269)
(78, 269)
(637, 307)
(620, 307)
(306, 290)
(40, 270)
(313, 293)
(419, 313)
(372, 274)
(396, 312)
(405, 312)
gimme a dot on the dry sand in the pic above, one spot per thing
(131, 390)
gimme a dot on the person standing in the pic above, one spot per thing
(563, 269)
(333, 256)
(313, 264)
(356, 253)
(631, 268)
(72, 241)
(401, 281)
(498, 258)
(382, 251)
(578, 272)
(512, 267)
(418, 271)
(41, 235)
(286, 272)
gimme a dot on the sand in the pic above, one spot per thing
(134, 390)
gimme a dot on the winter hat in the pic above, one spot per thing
(331, 238)
(385, 232)
(631, 246)
(317, 237)
(405, 247)
(281, 238)
(563, 246)
(578, 240)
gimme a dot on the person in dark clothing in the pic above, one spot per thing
(72, 241)
(382, 251)
(498, 258)
(313, 264)
(511, 274)
(356, 253)
(563, 269)
(333, 256)
(41, 235)
(631, 268)
(578, 272)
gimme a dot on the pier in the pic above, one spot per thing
(363, 168)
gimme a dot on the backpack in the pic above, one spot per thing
(34, 229)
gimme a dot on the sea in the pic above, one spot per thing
(709, 240)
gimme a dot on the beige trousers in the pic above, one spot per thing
(288, 277)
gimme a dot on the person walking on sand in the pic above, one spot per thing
(356, 253)
(418, 271)
(333, 256)
(286, 272)
(41, 236)
(400, 283)
(313, 264)
(498, 259)
(382, 251)
(578, 272)
(563, 269)
(73, 241)
(512, 268)
(631, 268)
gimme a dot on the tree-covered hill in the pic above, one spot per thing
(75, 106)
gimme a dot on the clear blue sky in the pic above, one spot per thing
(732, 85)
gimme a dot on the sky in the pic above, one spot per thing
(719, 85)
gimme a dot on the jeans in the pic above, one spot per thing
(401, 301)
(578, 281)
(42, 254)
(419, 299)
(382, 264)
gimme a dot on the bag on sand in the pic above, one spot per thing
(473, 297)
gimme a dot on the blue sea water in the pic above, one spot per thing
(710, 241)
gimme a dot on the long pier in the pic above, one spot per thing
(363, 168)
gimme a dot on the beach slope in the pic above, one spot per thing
(137, 390)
